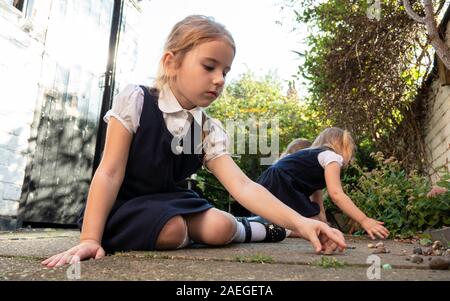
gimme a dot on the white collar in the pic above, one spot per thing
(168, 104)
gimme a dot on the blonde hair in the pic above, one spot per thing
(337, 139)
(185, 36)
(296, 145)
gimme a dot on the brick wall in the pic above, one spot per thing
(437, 129)
(437, 139)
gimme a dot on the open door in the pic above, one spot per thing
(65, 125)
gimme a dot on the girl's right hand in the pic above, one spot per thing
(374, 227)
(84, 250)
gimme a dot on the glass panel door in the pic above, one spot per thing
(66, 119)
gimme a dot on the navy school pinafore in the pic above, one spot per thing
(149, 195)
(294, 178)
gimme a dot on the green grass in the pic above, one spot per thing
(328, 262)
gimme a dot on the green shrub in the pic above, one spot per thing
(399, 199)
(259, 100)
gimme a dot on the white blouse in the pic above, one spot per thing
(127, 108)
(326, 157)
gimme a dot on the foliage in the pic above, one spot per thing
(364, 74)
(329, 262)
(254, 101)
(398, 198)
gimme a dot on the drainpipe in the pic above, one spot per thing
(109, 78)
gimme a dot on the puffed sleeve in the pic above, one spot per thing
(216, 141)
(127, 107)
(327, 157)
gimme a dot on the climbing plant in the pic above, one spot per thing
(365, 72)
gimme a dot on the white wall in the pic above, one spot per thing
(437, 139)
(21, 48)
(437, 129)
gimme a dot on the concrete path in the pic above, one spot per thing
(293, 259)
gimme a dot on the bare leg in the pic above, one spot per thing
(212, 227)
(173, 234)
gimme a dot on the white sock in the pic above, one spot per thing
(240, 233)
(258, 232)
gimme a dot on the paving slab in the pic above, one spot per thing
(292, 259)
(154, 269)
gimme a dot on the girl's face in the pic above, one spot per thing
(201, 77)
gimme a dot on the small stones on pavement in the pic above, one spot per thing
(438, 252)
(328, 252)
(381, 250)
(439, 263)
(417, 250)
(379, 245)
(416, 259)
(387, 266)
(437, 245)
(427, 251)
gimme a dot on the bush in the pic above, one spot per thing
(259, 100)
(399, 199)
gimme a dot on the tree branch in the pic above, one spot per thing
(412, 13)
(439, 45)
(442, 50)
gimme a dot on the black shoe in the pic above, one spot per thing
(274, 233)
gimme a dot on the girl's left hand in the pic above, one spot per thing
(374, 227)
(321, 236)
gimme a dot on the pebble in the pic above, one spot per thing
(438, 252)
(427, 251)
(439, 263)
(387, 266)
(437, 245)
(379, 245)
(417, 250)
(416, 259)
(371, 246)
(328, 252)
(381, 250)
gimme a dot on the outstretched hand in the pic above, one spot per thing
(84, 250)
(322, 236)
(374, 227)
